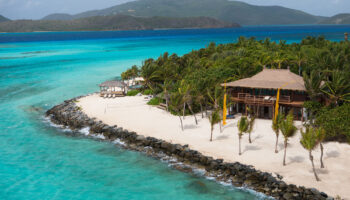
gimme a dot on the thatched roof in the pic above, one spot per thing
(272, 79)
(113, 84)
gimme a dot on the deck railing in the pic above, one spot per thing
(261, 98)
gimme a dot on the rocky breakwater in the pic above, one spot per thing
(70, 115)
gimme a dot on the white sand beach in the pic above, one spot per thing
(133, 114)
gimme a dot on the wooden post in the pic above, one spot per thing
(302, 114)
(346, 36)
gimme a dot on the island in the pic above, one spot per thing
(113, 23)
(255, 114)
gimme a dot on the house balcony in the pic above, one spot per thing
(265, 99)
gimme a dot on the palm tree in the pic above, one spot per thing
(200, 99)
(309, 142)
(214, 118)
(185, 91)
(215, 98)
(321, 135)
(166, 87)
(263, 59)
(276, 125)
(313, 84)
(300, 59)
(279, 59)
(251, 122)
(288, 130)
(176, 101)
(242, 126)
(338, 89)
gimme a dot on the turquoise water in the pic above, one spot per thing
(39, 70)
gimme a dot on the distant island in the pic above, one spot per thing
(228, 11)
(113, 22)
(338, 19)
(169, 14)
(3, 19)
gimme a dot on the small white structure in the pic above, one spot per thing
(134, 81)
(113, 89)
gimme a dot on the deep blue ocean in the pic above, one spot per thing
(39, 70)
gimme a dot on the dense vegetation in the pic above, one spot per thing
(194, 79)
(113, 22)
(229, 11)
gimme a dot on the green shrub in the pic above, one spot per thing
(335, 122)
(132, 93)
(147, 92)
(154, 101)
(312, 107)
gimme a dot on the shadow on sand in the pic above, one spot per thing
(296, 159)
(251, 148)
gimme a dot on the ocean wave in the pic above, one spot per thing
(119, 142)
(85, 131)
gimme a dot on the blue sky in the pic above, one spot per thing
(35, 9)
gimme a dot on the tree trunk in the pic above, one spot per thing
(239, 153)
(285, 152)
(182, 127)
(220, 127)
(250, 140)
(206, 109)
(183, 111)
(276, 150)
(313, 166)
(321, 146)
(190, 108)
(211, 134)
(201, 110)
(167, 104)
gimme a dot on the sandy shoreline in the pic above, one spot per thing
(134, 114)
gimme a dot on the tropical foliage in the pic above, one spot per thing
(214, 118)
(276, 126)
(196, 76)
(309, 141)
(288, 130)
(243, 126)
(132, 93)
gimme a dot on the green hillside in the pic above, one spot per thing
(112, 22)
(58, 16)
(230, 11)
(3, 19)
(338, 19)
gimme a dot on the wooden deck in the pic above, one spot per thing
(116, 94)
(264, 100)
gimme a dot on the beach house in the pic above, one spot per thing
(113, 89)
(259, 94)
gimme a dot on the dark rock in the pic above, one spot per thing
(68, 114)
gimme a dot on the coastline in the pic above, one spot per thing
(70, 115)
(154, 29)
